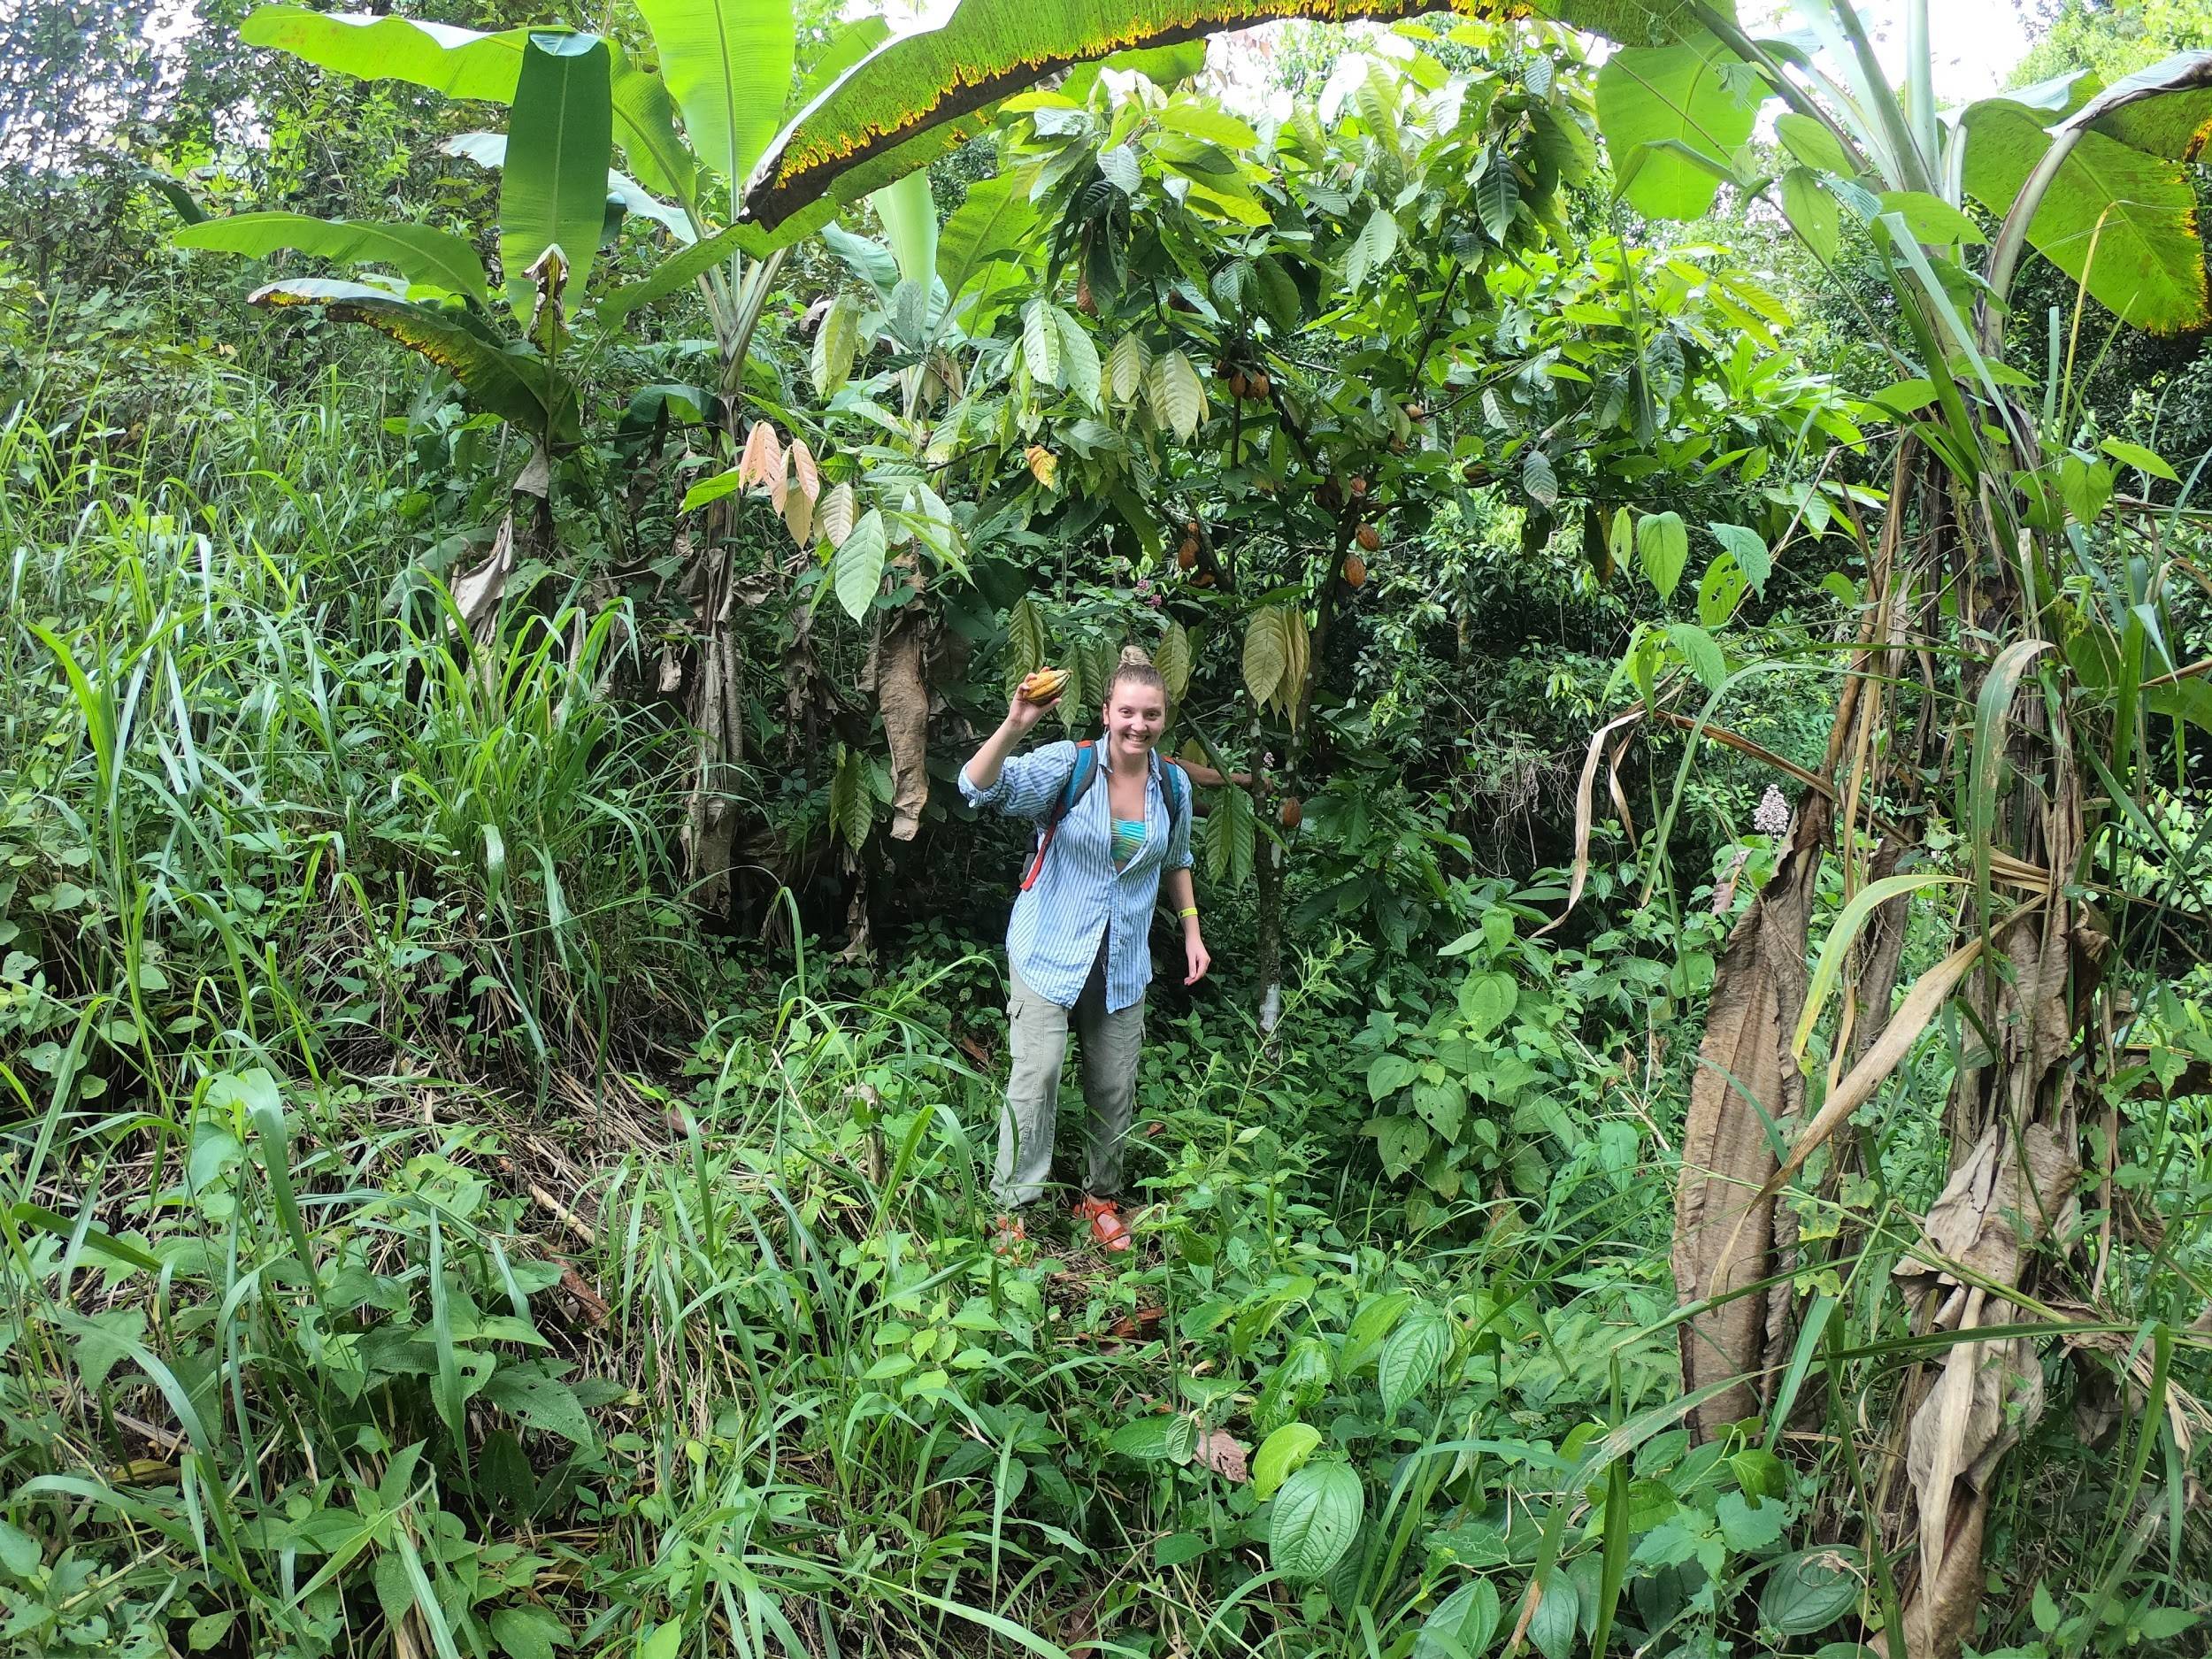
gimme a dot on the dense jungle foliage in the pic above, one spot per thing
(1687, 551)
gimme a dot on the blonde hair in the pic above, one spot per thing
(1136, 664)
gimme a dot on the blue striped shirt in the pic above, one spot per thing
(1080, 898)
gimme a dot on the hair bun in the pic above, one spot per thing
(1134, 657)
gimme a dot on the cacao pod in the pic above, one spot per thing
(1368, 537)
(1293, 813)
(1044, 685)
(1355, 571)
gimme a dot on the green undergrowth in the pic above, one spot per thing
(416, 1238)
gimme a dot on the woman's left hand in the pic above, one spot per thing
(1194, 953)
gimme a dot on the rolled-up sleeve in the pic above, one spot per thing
(1028, 783)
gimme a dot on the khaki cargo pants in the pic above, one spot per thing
(1037, 1033)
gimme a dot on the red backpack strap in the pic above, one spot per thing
(1085, 769)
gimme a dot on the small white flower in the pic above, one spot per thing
(1773, 815)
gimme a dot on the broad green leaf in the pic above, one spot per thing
(1808, 1592)
(1552, 1630)
(1371, 249)
(1126, 367)
(1721, 590)
(2170, 122)
(2137, 211)
(1671, 116)
(1662, 546)
(681, 271)
(856, 567)
(1748, 1524)
(1078, 359)
(1281, 1456)
(835, 343)
(1176, 396)
(1442, 1106)
(1388, 1073)
(727, 63)
(489, 150)
(2143, 460)
(434, 259)
(1412, 1355)
(1698, 651)
(1163, 1437)
(1931, 218)
(910, 225)
(1172, 659)
(528, 1633)
(1537, 479)
(19, 1552)
(1279, 300)
(1041, 342)
(1812, 214)
(645, 126)
(542, 1400)
(1463, 1625)
(460, 63)
(1486, 1001)
(507, 384)
(1266, 656)
(1813, 144)
(1750, 550)
(1317, 1513)
(560, 140)
(992, 224)
(1497, 197)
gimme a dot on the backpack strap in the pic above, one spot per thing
(1079, 777)
(1175, 782)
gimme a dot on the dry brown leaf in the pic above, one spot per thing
(1583, 814)
(1223, 1453)
(902, 695)
(1744, 1077)
(476, 595)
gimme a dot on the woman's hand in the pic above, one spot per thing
(1021, 714)
(1194, 954)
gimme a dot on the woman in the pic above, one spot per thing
(1077, 942)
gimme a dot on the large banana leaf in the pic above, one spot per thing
(645, 126)
(460, 63)
(2165, 110)
(508, 385)
(489, 150)
(727, 63)
(553, 190)
(1671, 115)
(2117, 219)
(466, 63)
(992, 224)
(434, 259)
(988, 49)
(909, 223)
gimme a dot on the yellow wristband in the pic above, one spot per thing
(1193, 911)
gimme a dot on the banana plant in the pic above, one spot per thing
(2000, 566)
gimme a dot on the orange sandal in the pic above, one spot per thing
(1108, 1231)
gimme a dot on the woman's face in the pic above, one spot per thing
(1135, 714)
